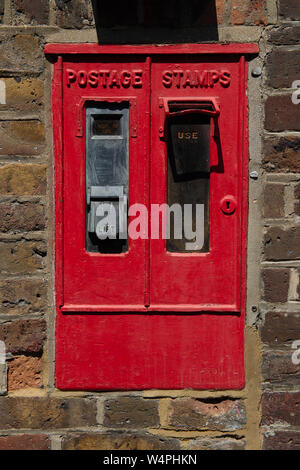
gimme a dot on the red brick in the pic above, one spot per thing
(281, 407)
(282, 244)
(19, 179)
(215, 415)
(23, 94)
(22, 52)
(297, 197)
(289, 9)
(285, 35)
(22, 257)
(131, 412)
(22, 296)
(25, 217)
(25, 442)
(46, 413)
(24, 372)
(220, 443)
(273, 201)
(24, 336)
(282, 154)
(30, 12)
(281, 440)
(283, 67)
(281, 328)
(281, 114)
(116, 440)
(276, 284)
(278, 369)
(74, 14)
(249, 12)
(22, 137)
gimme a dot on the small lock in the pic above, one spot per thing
(228, 205)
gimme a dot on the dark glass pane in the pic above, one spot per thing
(189, 176)
(107, 125)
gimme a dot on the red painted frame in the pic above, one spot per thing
(130, 350)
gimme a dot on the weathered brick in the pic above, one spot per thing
(30, 12)
(21, 296)
(278, 368)
(1, 10)
(25, 217)
(273, 201)
(285, 35)
(21, 52)
(283, 67)
(22, 137)
(215, 415)
(281, 328)
(283, 407)
(22, 257)
(276, 284)
(289, 9)
(3, 378)
(281, 114)
(249, 12)
(118, 441)
(220, 443)
(282, 154)
(46, 413)
(281, 440)
(24, 336)
(297, 197)
(282, 244)
(74, 13)
(25, 442)
(24, 372)
(131, 412)
(23, 179)
(22, 94)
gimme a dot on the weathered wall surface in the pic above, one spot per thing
(33, 413)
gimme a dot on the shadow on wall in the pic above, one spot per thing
(155, 21)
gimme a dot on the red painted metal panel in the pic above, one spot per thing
(213, 278)
(120, 318)
(102, 280)
(199, 49)
(136, 352)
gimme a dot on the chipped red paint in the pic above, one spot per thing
(149, 318)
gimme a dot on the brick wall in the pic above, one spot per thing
(33, 413)
(281, 246)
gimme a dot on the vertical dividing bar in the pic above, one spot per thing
(57, 112)
(147, 182)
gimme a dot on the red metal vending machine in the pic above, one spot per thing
(150, 134)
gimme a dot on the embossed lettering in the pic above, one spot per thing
(178, 74)
(188, 79)
(82, 78)
(225, 78)
(195, 78)
(167, 79)
(125, 78)
(213, 78)
(93, 78)
(202, 78)
(114, 79)
(137, 79)
(71, 77)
